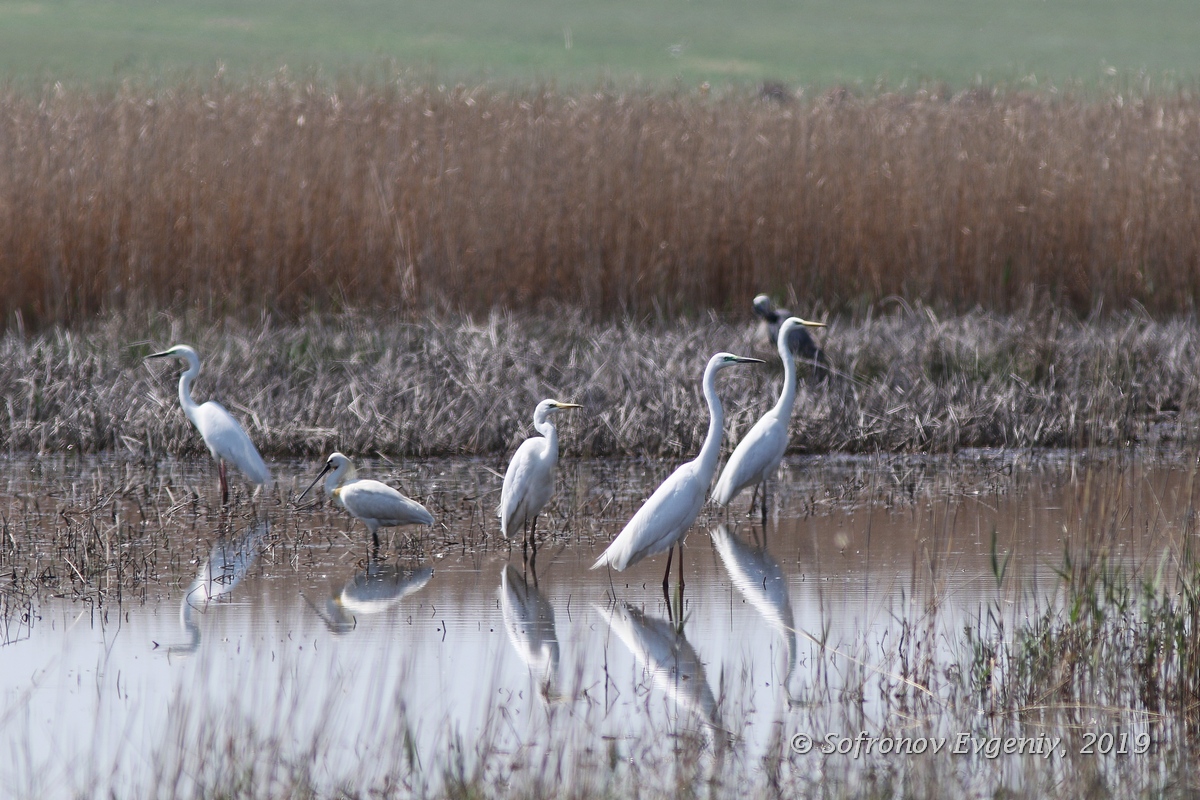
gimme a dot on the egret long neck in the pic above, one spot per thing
(185, 386)
(711, 450)
(545, 426)
(787, 397)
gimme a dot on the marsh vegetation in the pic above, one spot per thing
(339, 256)
(286, 197)
(907, 380)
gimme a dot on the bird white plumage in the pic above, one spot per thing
(529, 479)
(376, 504)
(758, 454)
(224, 437)
(671, 510)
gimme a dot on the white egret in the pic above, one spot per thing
(758, 454)
(671, 510)
(225, 438)
(529, 479)
(799, 342)
(376, 504)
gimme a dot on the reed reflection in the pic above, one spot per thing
(529, 622)
(231, 558)
(372, 590)
(667, 656)
(757, 576)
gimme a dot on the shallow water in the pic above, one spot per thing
(144, 628)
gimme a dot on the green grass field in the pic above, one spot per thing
(811, 42)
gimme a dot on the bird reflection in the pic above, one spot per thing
(757, 576)
(372, 590)
(229, 561)
(529, 621)
(667, 656)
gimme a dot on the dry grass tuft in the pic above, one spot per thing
(911, 381)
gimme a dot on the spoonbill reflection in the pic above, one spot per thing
(758, 454)
(529, 479)
(372, 590)
(529, 622)
(222, 434)
(799, 341)
(376, 504)
(667, 656)
(671, 510)
(227, 564)
(757, 576)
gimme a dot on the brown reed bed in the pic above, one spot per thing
(288, 196)
(907, 381)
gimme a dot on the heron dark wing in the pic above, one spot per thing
(804, 347)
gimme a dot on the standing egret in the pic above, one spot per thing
(671, 510)
(376, 504)
(529, 480)
(757, 456)
(800, 342)
(226, 439)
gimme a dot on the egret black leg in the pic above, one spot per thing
(764, 506)
(681, 577)
(224, 482)
(525, 542)
(667, 576)
(533, 537)
(753, 498)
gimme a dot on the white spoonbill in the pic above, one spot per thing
(671, 510)
(758, 454)
(529, 479)
(225, 438)
(376, 504)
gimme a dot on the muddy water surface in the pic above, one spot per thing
(145, 627)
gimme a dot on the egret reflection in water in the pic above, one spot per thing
(529, 621)
(667, 655)
(757, 576)
(372, 590)
(229, 561)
